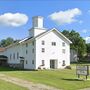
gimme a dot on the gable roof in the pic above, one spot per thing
(44, 33)
(54, 29)
(39, 36)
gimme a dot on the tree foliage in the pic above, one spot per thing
(88, 47)
(78, 43)
(6, 42)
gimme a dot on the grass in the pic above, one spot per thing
(62, 79)
(8, 86)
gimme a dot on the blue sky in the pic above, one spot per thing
(16, 16)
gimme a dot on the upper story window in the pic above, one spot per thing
(17, 55)
(26, 51)
(43, 42)
(43, 49)
(13, 55)
(10, 56)
(33, 50)
(63, 44)
(63, 51)
(26, 44)
(53, 43)
(33, 43)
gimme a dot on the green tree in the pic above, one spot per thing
(78, 43)
(88, 47)
(6, 42)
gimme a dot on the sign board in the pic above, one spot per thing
(82, 70)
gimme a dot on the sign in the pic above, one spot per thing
(82, 70)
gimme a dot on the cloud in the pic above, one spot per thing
(87, 39)
(13, 19)
(65, 17)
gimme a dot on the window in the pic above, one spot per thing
(13, 55)
(33, 43)
(32, 61)
(26, 51)
(10, 56)
(63, 44)
(43, 42)
(53, 43)
(43, 62)
(63, 63)
(43, 49)
(26, 44)
(26, 62)
(17, 55)
(33, 50)
(63, 51)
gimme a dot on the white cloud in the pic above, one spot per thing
(65, 17)
(87, 39)
(13, 19)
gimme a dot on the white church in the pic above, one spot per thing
(43, 49)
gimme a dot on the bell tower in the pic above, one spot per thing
(37, 26)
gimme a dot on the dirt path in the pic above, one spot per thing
(27, 84)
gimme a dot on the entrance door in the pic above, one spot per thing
(53, 64)
(22, 64)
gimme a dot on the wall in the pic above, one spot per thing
(52, 52)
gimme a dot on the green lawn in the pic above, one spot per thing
(9, 86)
(63, 79)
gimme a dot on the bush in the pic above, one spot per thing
(68, 67)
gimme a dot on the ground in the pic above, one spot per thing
(56, 79)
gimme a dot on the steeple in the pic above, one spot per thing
(37, 26)
(37, 22)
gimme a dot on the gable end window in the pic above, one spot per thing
(63, 51)
(53, 43)
(43, 42)
(63, 44)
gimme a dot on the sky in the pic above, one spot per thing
(16, 16)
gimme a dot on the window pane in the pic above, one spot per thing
(43, 49)
(43, 63)
(43, 42)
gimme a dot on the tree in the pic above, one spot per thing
(78, 43)
(88, 47)
(6, 42)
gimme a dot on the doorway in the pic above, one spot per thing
(53, 64)
(22, 64)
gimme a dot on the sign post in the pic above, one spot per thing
(82, 70)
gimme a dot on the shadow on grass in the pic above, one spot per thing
(3, 69)
(72, 79)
